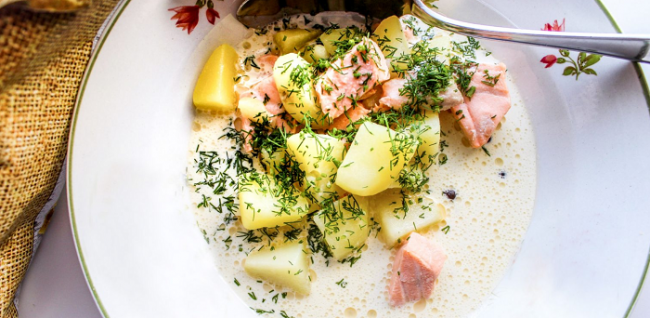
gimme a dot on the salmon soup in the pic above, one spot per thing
(343, 222)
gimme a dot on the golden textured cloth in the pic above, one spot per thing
(42, 61)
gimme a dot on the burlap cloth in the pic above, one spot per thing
(42, 60)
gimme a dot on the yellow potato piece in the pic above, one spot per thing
(314, 53)
(285, 264)
(443, 42)
(333, 35)
(293, 78)
(427, 132)
(317, 156)
(263, 203)
(253, 109)
(390, 38)
(396, 224)
(291, 41)
(215, 88)
(329, 37)
(375, 159)
(344, 225)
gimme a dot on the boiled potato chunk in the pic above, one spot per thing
(442, 41)
(318, 156)
(264, 203)
(314, 53)
(286, 265)
(290, 41)
(293, 78)
(331, 36)
(427, 133)
(253, 109)
(390, 37)
(396, 225)
(344, 225)
(215, 88)
(375, 158)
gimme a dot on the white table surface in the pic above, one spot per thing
(55, 285)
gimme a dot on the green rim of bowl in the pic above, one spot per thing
(73, 223)
(646, 93)
(95, 54)
(637, 66)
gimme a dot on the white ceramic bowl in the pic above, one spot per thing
(584, 255)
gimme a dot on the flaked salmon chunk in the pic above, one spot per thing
(351, 78)
(451, 97)
(245, 127)
(393, 98)
(350, 116)
(417, 265)
(266, 62)
(266, 90)
(479, 115)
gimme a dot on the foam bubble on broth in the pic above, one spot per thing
(487, 218)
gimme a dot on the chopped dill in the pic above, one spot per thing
(283, 314)
(490, 80)
(262, 311)
(250, 60)
(426, 76)
(467, 48)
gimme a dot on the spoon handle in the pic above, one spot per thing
(630, 47)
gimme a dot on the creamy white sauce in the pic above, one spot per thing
(487, 220)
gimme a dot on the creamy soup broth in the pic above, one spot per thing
(488, 195)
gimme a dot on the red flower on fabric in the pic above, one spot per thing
(187, 17)
(554, 27)
(549, 60)
(212, 15)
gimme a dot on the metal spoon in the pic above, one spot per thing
(626, 46)
(255, 13)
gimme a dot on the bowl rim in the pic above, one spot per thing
(105, 32)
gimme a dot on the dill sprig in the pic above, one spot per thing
(413, 178)
(315, 240)
(426, 76)
(489, 79)
(467, 48)
(410, 23)
(463, 71)
(264, 136)
(348, 38)
(217, 171)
